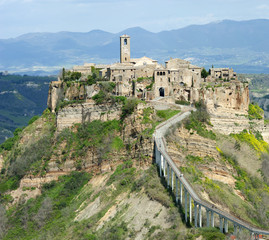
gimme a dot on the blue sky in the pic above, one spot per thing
(23, 16)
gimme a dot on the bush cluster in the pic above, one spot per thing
(198, 121)
(255, 112)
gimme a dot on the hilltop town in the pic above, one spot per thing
(178, 81)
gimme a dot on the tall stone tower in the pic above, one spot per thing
(125, 49)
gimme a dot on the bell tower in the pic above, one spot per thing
(125, 49)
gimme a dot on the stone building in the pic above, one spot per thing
(222, 73)
(146, 78)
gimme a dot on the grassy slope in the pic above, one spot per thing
(128, 190)
(242, 156)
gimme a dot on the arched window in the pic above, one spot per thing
(158, 73)
(161, 90)
(163, 73)
(125, 41)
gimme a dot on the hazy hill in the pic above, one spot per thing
(242, 45)
(21, 97)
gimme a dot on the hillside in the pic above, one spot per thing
(230, 172)
(70, 185)
(241, 45)
(21, 98)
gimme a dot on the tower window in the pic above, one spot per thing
(125, 59)
(125, 41)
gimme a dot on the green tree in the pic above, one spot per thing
(204, 73)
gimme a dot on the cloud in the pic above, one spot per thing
(263, 7)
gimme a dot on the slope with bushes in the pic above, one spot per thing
(230, 172)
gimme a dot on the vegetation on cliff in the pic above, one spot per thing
(235, 177)
(255, 112)
(199, 120)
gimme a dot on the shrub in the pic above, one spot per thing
(128, 108)
(212, 234)
(257, 143)
(9, 143)
(255, 112)
(100, 97)
(34, 118)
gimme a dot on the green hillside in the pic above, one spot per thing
(21, 97)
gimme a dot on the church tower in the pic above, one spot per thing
(125, 49)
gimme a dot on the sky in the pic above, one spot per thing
(18, 17)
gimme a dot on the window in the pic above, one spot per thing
(158, 73)
(163, 73)
(125, 59)
(161, 91)
(125, 41)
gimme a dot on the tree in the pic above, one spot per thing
(204, 73)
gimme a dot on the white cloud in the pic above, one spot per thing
(263, 7)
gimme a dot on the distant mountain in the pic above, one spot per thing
(242, 45)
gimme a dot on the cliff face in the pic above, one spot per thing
(55, 95)
(59, 91)
(228, 107)
(65, 155)
(86, 112)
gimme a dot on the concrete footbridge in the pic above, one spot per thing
(185, 194)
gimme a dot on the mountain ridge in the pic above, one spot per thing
(239, 44)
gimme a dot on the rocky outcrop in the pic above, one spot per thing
(86, 112)
(62, 91)
(56, 94)
(188, 143)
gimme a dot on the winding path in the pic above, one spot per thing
(178, 183)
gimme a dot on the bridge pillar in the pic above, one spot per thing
(221, 224)
(200, 216)
(176, 188)
(212, 219)
(181, 192)
(164, 167)
(235, 229)
(172, 179)
(207, 217)
(225, 225)
(190, 210)
(186, 205)
(161, 164)
(195, 214)
(168, 176)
